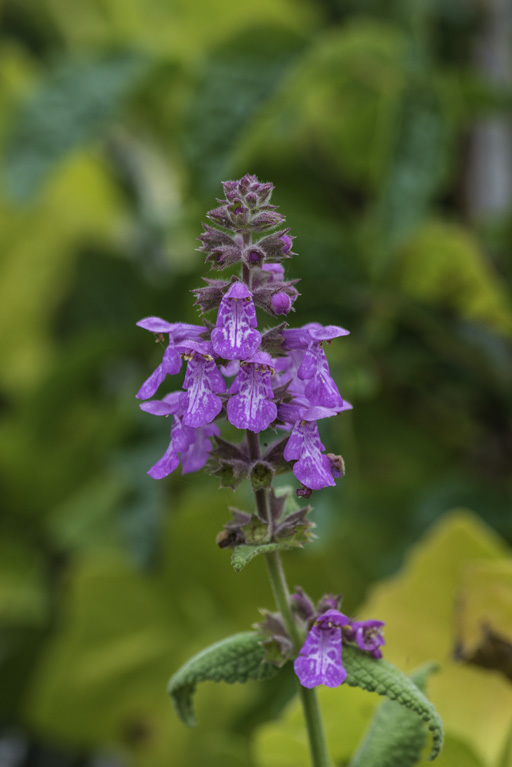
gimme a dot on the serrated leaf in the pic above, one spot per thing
(66, 110)
(244, 554)
(385, 679)
(235, 659)
(396, 736)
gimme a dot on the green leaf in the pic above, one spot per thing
(236, 659)
(385, 679)
(417, 165)
(244, 554)
(396, 735)
(443, 264)
(67, 110)
(236, 81)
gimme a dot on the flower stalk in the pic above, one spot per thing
(275, 381)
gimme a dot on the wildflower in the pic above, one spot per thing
(171, 362)
(320, 388)
(193, 446)
(251, 404)
(235, 336)
(311, 467)
(319, 661)
(367, 636)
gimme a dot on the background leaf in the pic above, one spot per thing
(68, 109)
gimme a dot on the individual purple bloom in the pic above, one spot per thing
(251, 403)
(320, 388)
(311, 467)
(235, 337)
(203, 382)
(193, 446)
(319, 661)
(196, 455)
(171, 362)
(367, 635)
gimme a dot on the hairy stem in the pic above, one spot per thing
(261, 495)
(309, 700)
(314, 724)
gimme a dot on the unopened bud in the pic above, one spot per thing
(281, 303)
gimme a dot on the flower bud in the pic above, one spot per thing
(281, 303)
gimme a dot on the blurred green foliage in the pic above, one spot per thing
(119, 119)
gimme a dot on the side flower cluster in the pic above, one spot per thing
(320, 658)
(256, 380)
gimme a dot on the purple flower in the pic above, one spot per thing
(251, 404)
(276, 271)
(367, 635)
(311, 467)
(193, 446)
(235, 337)
(320, 388)
(287, 243)
(203, 382)
(319, 661)
(171, 362)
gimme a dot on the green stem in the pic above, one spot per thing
(261, 495)
(312, 715)
(314, 724)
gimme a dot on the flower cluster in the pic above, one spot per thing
(320, 658)
(256, 380)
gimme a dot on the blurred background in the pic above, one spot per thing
(386, 127)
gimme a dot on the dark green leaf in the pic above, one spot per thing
(381, 677)
(236, 659)
(396, 735)
(67, 110)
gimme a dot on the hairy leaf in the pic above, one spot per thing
(235, 659)
(244, 554)
(385, 679)
(396, 735)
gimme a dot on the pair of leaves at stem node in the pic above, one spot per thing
(232, 464)
(241, 657)
(250, 535)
